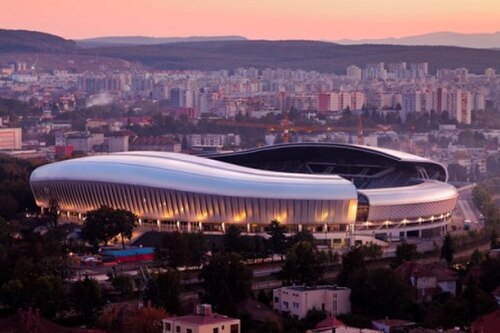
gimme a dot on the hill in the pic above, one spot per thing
(33, 41)
(484, 40)
(142, 40)
(307, 55)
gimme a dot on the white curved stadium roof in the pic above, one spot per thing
(198, 175)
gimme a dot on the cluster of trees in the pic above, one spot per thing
(34, 272)
(379, 291)
(15, 193)
(105, 223)
(482, 195)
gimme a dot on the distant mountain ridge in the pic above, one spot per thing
(295, 54)
(34, 41)
(480, 40)
(289, 54)
(143, 40)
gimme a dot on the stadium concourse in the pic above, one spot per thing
(341, 193)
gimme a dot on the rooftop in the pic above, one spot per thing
(325, 287)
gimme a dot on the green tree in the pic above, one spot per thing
(490, 274)
(124, 222)
(123, 284)
(405, 252)
(313, 317)
(197, 248)
(372, 250)
(49, 293)
(87, 299)
(278, 238)
(353, 262)
(304, 264)
(476, 258)
(477, 302)
(5, 230)
(447, 249)
(446, 313)
(173, 250)
(232, 239)
(226, 281)
(164, 290)
(301, 236)
(383, 294)
(52, 213)
(104, 223)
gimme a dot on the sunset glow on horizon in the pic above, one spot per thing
(254, 19)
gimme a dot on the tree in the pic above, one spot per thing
(477, 302)
(53, 213)
(353, 262)
(493, 239)
(476, 258)
(4, 231)
(86, 299)
(490, 274)
(278, 238)
(226, 281)
(372, 250)
(197, 248)
(173, 250)
(383, 294)
(124, 223)
(232, 239)
(123, 284)
(313, 317)
(304, 264)
(145, 320)
(447, 249)
(123, 318)
(102, 224)
(405, 252)
(302, 236)
(164, 290)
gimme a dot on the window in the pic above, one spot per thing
(216, 330)
(178, 329)
(234, 328)
(276, 300)
(285, 304)
(168, 327)
(189, 330)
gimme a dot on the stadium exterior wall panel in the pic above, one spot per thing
(411, 211)
(166, 204)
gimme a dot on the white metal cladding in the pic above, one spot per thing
(411, 202)
(168, 204)
(197, 175)
(411, 211)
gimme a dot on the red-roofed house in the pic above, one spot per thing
(392, 325)
(428, 279)
(330, 322)
(204, 321)
(489, 323)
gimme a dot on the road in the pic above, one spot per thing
(466, 210)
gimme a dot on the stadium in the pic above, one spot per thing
(341, 193)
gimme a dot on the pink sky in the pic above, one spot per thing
(255, 19)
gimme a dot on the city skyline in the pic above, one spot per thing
(317, 20)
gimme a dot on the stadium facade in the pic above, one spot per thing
(339, 192)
